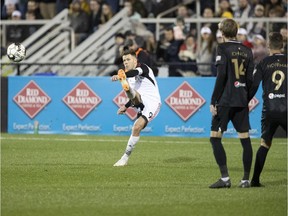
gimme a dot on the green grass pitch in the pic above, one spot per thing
(57, 175)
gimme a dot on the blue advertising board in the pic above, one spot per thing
(86, 105)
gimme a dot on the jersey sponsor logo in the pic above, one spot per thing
(120, 100)
(82, 99)
(185, 101)
(273, 96)
(238, 84)
(31, 99)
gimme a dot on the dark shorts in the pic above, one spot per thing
(239, 116)
(270, 123)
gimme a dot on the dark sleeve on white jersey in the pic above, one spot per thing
(141, 70)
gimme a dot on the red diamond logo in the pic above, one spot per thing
(120, 100)
(185, 101)
(82, 99)
(31, 99)
(253, 103)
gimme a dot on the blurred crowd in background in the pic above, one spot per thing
(177, 45)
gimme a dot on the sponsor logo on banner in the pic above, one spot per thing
(120, 100)
(185, 101)
(31, 99)
(82, 99)
(253, 103)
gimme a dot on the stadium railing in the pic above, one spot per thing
(53, 50)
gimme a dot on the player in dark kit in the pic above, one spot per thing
(272, 71)
(229, 101)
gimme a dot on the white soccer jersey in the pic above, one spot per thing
(146, 85)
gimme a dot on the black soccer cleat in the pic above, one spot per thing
(221, 184)
(244, 184)
(256, 184)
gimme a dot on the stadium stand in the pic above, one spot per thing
(52, 47)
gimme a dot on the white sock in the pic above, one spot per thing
(131, 144)
(225, 179)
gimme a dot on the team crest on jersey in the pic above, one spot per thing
(218, 58)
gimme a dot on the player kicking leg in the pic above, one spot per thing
(141, 88)
(140, 123)
(123, 81)
(133, 95)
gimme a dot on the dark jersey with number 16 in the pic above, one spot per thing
(234, 63)
(272, 71)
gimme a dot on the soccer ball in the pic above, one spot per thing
(16, 52)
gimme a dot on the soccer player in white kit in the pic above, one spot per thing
(140, 86)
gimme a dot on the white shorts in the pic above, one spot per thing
(151, 108)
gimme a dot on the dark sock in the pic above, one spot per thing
(220, 155)
(246, 157)
(259, 163)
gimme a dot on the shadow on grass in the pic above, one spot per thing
(273, 170)
(179, 160)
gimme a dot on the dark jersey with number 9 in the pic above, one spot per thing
(235, 66)
(272, 71)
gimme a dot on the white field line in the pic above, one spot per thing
(95, 139)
